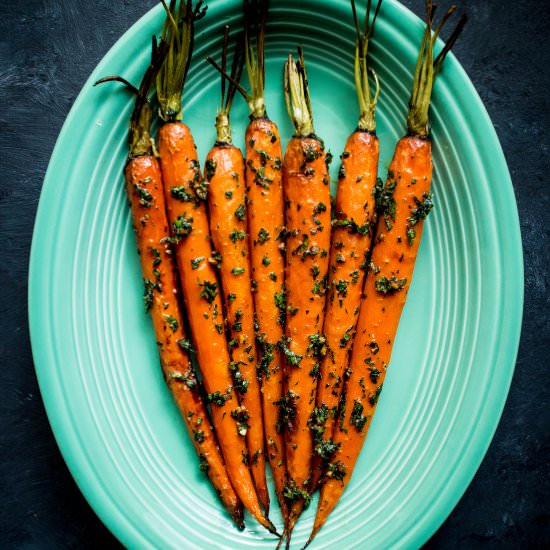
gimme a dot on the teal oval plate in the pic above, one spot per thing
(94, 348)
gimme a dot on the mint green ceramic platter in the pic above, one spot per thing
(94, 348)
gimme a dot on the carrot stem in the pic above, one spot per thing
(367, 104)
(297, 98)
(427, 68)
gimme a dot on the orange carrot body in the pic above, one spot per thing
(307, 201)
(144, 188)
(386, 286)
(184, 190)
(227, 209)
(264, 189)
(354, 222)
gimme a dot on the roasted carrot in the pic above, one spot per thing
(264, 189)
(354, 217)
(144, 187)
(185, 195)
(405, 203)
(265, 217)
(307, 210)
(227, 209)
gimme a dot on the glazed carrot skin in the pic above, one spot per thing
(184, 193)
(404, 204)
(351, 234)
(386, 288)
(227, 209)
(144, 188)
(265, 211)
(307, 201)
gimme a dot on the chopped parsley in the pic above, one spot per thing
(263, 235)
(182, 226)
(186, 345)
(195, 262)
(148, 293)
(210, 169)
(292, 357)
(357, 418)
(386, 285)
(180, 193)
(209, 291)
(172, 322)
(341, 287)
(337, 470)
(423, 208)
(237, 235)
(326, 448)
(374, 374)
(318, 208)
(292, 493)
(218, 398)
(145, 198)
(240, 414)
(240, 213)
(188, 378)
(373, 397)
(287, 412)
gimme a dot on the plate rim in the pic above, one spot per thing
(64, 430)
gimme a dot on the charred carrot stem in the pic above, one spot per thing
(228, 228)
(185, 195)
(352, 226)
(405, 203)
(307, 216)
(144, 187)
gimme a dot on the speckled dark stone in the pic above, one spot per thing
(48, 48)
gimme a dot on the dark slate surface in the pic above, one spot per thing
(48, 48)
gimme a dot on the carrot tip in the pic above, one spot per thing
(273, 531)
(238, 518)
(311, 537)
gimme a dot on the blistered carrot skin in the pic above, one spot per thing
(144, 188)
(353, 223)
(404, 204)
(264, 190)
(227, 209)
(184, 188)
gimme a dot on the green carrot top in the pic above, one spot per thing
(427, 68)
(139, 135)
(179, 32)
(367, 105)
(297, 98)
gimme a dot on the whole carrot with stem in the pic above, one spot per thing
(144, 188)
(224, 170)
(185, 195)
(307, 216)
(354, 219)
(405, 203)
(265, 217)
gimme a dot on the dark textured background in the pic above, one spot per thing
(48, 48)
